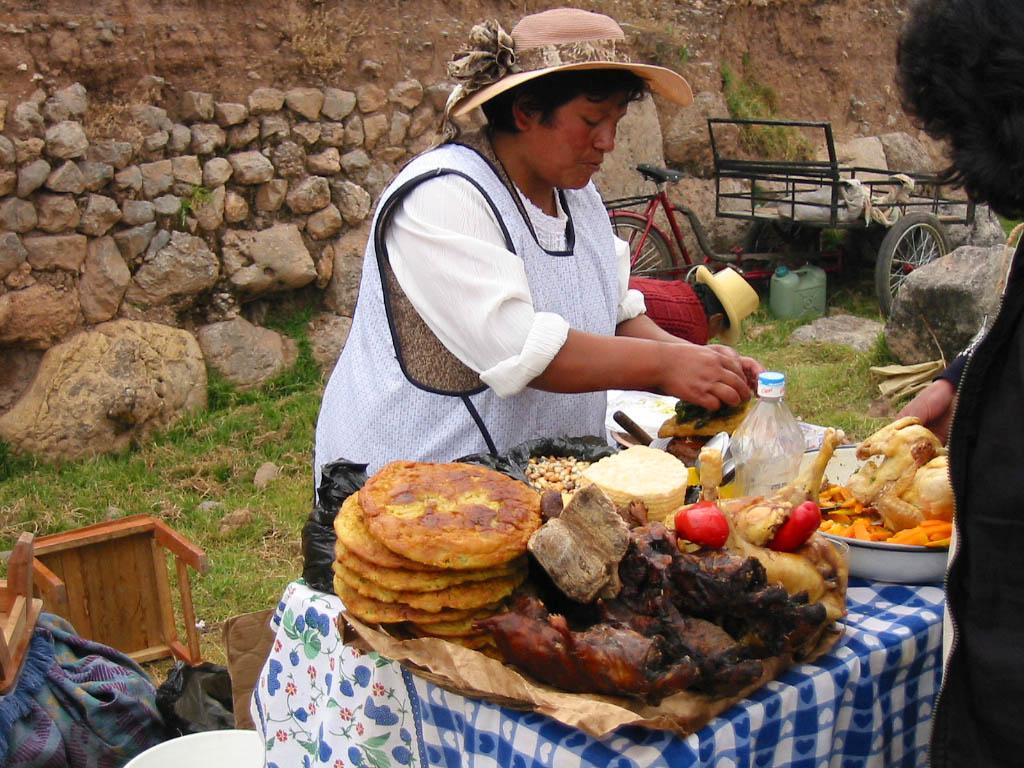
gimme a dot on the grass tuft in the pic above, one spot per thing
(323, 41)
(749, 99)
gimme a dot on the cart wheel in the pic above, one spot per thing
(911, 242)
(655, 258)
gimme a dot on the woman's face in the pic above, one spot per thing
(567, 150)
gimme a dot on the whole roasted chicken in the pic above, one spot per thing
(905, 476)
(817, 568)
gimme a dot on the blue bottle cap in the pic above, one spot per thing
(771, 384)
(781, 271)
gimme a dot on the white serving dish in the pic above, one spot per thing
(877, 560)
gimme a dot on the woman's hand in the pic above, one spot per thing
(934, 407)
(709, 376)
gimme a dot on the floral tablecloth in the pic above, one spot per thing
(866, 703)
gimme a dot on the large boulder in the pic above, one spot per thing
(906, 154)
(860, 152)
(175, 273)
(38, 315)
(105, 278)
(984, 231)
(245, 354)
(18, 367)
(942, 305)
(343, 288)
(638, 140)
(107, 389)
(858, 333)
(327, 336)
(274, 259)
(686, 138)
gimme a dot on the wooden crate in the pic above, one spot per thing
(18, 612)
(117, 588)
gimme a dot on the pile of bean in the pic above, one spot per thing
(556, 473)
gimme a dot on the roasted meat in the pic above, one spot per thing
(701, 622)
(907, 478)
(817, 568)
(602, 659)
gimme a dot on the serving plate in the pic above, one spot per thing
(879, 560)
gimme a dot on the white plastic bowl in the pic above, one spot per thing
(878, 560)
(210, 749)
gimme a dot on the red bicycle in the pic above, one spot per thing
(649, 249)
(662, 253)
(896, 218)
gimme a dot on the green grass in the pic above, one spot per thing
(749, 99)
(1007, 224)
(213, 456)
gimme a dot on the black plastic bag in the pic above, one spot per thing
(514, 463)
(338, 481)
(196, 699)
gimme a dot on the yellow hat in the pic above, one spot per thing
(552, 41)
(737, 296)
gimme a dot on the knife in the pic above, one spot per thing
(638, 433)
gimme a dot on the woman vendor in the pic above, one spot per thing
(494, 304)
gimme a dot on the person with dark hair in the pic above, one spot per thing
(714, 305)
(494, 305)
(961, 74)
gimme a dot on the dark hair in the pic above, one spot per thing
(960, 71)
(710, 302)
(547, 93)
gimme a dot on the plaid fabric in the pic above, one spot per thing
(77, 704)
(867, 703)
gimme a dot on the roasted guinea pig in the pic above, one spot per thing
(681, 621)
(817, 568)
(905, 476)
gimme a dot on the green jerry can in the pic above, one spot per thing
(797, 292)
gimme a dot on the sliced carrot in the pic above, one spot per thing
(859, 529)
(912, 536)
(938, 543)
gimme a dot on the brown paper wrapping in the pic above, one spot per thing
(472, 674)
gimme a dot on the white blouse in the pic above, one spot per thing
(448, 254)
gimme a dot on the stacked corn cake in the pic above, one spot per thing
(433, 547)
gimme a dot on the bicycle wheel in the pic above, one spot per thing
(650, 258)
(910, 243)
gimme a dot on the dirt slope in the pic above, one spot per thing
(824, 59)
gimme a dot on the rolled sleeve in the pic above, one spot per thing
(631, 302)
(448, 254)
(543, 341)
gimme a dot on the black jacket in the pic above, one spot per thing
(977, 720)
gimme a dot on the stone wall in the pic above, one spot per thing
(190, 214)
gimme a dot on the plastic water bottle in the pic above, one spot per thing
(768, 445)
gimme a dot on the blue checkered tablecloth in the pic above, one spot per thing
(866, 703)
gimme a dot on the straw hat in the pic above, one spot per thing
(552, 41)
(737, 296)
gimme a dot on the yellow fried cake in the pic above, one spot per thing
(475, 642)
(356, 538)
(457, 516)
(460, 628)
(401, 580)
(375, 612)
(468, 596)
